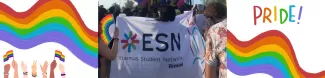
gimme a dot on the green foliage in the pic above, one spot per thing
(209, 1)
(129, 4)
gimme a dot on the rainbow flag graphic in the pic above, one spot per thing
(106, 22)
(45, 22)
(59, 55)
(8, 55)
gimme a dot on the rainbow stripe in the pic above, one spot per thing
(270, 52)
(59, 55)
(8, 55)
(45, 22)
(106, 22)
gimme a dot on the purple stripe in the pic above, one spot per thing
(50, 37)
(264, 68)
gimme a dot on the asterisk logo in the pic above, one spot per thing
(129, 41)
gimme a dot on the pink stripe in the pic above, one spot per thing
(134, 36)
(124, 41)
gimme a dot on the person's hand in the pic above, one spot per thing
(61, 67)
(23, 66)
(53, 65)
(6, 68)
(44, 67)
(34, 67)
(14, 64)
(116, 33)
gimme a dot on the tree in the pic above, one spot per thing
(208, 1)
(115, 10)
(129, 4)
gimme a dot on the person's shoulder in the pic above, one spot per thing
(223, 23)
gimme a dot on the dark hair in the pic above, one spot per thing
(127, 12)
(101, 13)
(115, 10)
(167, 13)
(221, 9)
(143, 12)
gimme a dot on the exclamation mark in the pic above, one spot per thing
(299, 14)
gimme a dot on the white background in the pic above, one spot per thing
(306, 37)
(74, 67)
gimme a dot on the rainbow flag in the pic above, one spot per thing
(8, 55)
(106, 22)
(59, 55)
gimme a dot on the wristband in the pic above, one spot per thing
(63, 74)
(6, 74)
(115, 38)
(44, 73)
(34, 75)
(25, 73)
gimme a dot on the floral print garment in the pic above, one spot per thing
(216, 38)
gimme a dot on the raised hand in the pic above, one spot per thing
(6, 68)
(23, 66)
(14, 64)
(61, 67)
(34, 68)
(44, 67)
(116, 33)
(53, 65)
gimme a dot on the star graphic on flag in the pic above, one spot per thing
(129, 41)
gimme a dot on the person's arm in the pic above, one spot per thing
(106, 51)
(211, 64)
(52, 73)
(44, 75)
(62, 75)
(103, 69)
(16, 75)
(6, 75)
(25, 74)
(210, 71)
(115, 47)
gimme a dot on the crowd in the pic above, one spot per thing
(211, 19)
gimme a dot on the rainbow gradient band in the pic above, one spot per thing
(106, 22)
(8, 55)
(59, 55)
(45, 21)
(270, 52)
